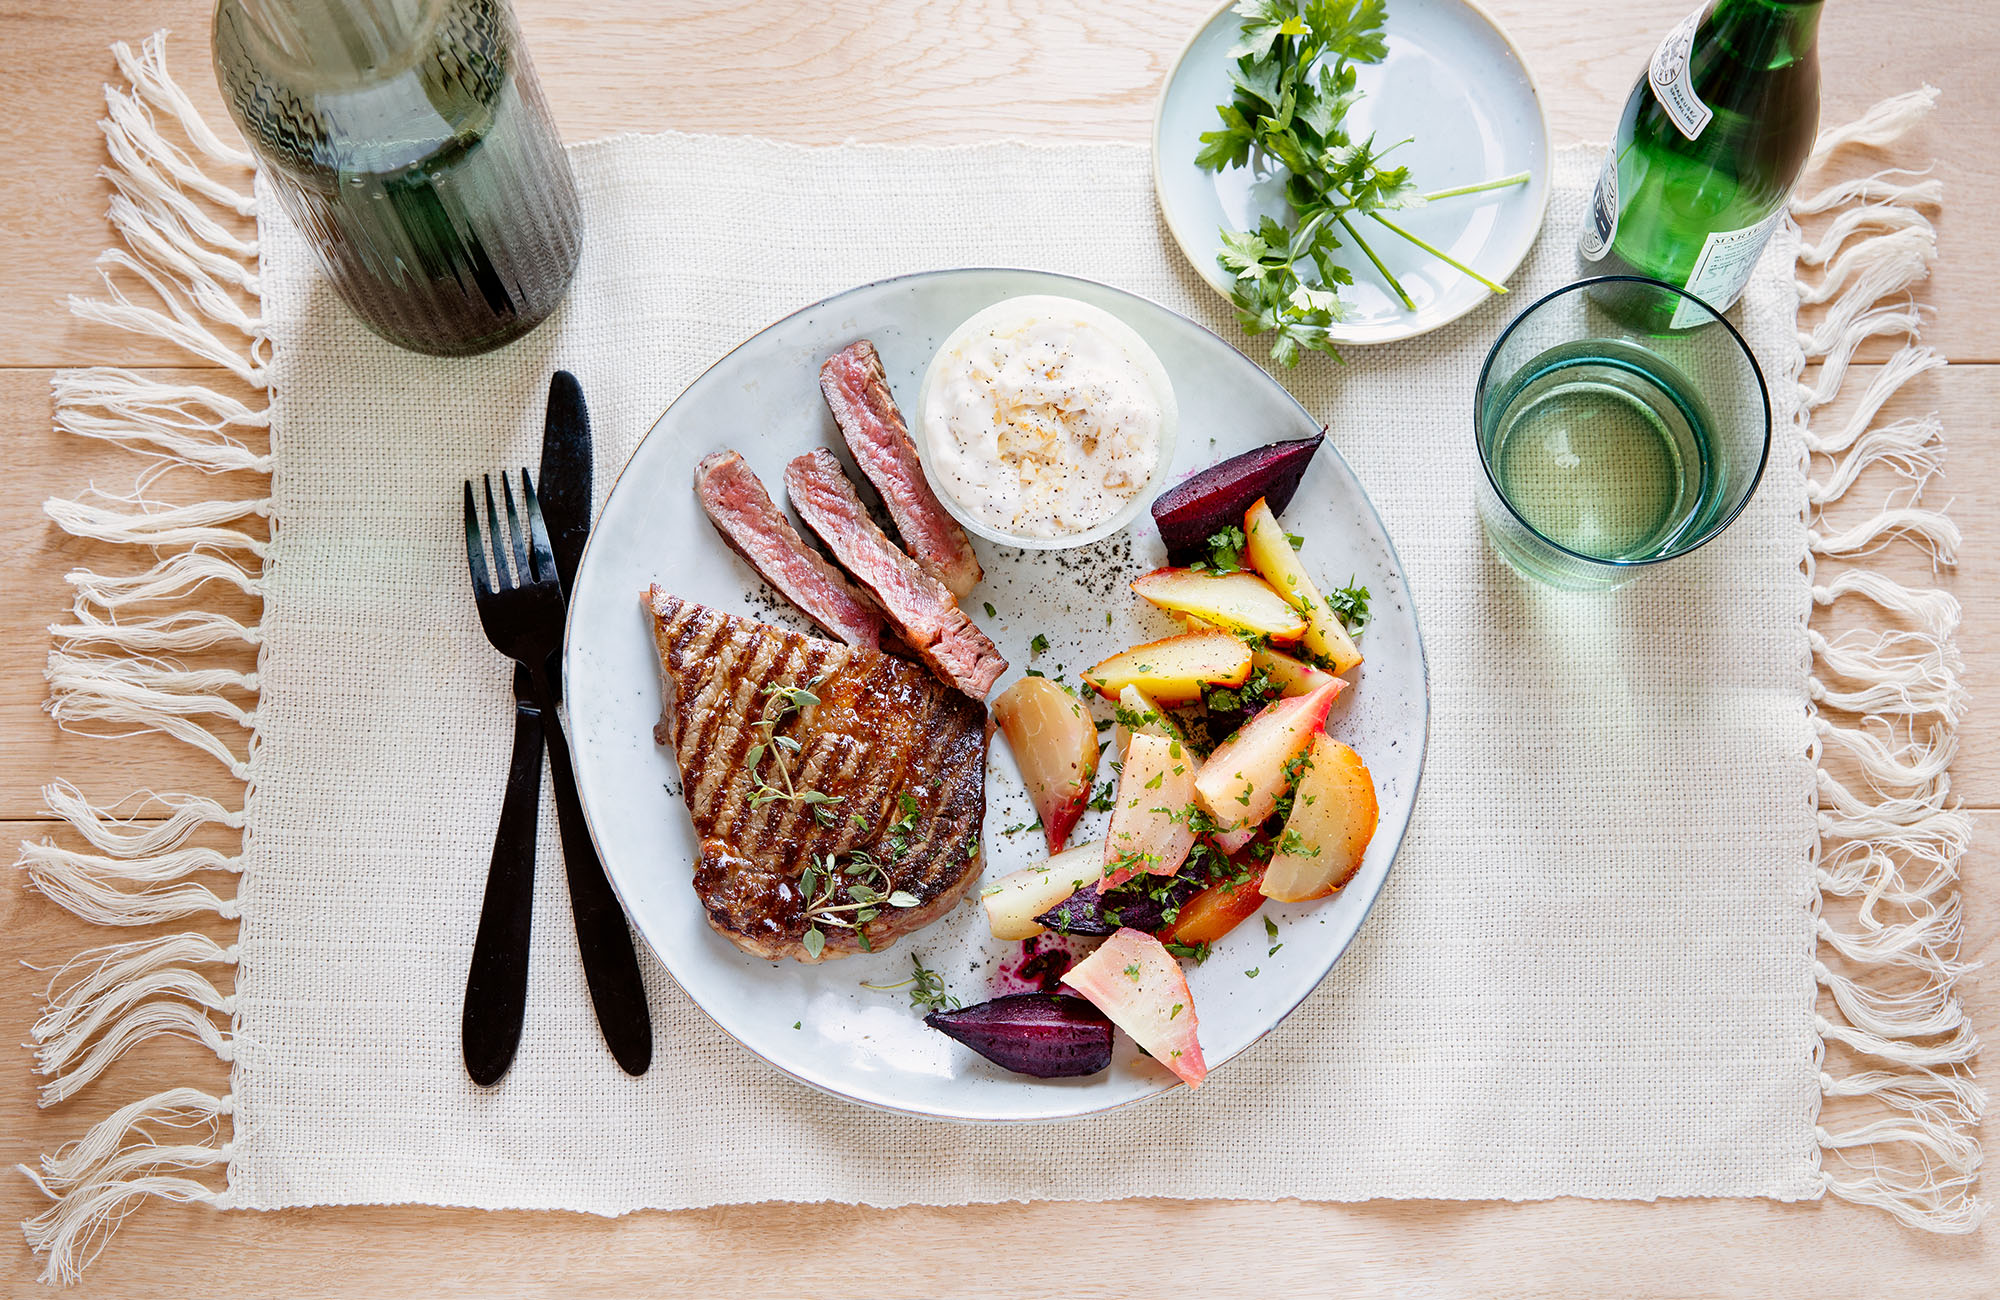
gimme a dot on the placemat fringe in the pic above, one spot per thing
(103, 1176)
(109, 672)
(1891, 839)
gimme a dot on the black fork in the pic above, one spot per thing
(521, 608)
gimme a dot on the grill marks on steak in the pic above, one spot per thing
(753, 526)
(857, 392)
(920, 607)
(883, 727)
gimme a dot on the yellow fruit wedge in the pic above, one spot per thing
(1173, 671)
(1332, 820)
(1270, 553)
(1236, 602)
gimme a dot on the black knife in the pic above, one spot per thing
(603, 936)
(496, 990)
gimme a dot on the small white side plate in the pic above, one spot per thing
(1456, 87)
(818, 1023)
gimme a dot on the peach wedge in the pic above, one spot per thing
(1244, 778)
(1054, 740)
(1173, 671)
(1136, 713)
(1234, 602)
(1291, 675)
(1149, 820)
(1136, 982)
(1270, 553)
(1332, 820)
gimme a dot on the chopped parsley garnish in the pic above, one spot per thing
(1256, 690)
(1350, 605)
(1225, 552)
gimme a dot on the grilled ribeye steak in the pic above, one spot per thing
(901, 756)
(857, 392)
(918, 605)
(743, 512)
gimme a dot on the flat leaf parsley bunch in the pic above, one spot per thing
(1294, 83)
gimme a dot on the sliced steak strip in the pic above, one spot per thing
(743, 512)
(857, 392)
(883, 728)
(916, 603)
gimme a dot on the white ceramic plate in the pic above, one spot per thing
(1453, 84)
(763, 400)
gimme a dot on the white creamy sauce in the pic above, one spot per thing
(1044, 423)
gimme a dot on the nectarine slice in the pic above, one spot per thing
(1240, 602)
(1054, 740)
(1270, 553)
(1332, 820)
(1136, 982)
(1172, 672)
(1243, 780)
(1149, 819)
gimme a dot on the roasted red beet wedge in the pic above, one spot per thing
(1047, 1035)
(1088, 912)
(1198, 507)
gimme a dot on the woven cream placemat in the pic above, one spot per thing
(1593, 971)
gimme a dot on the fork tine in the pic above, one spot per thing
(538, 530)
(502, 581)
(516, 536)
(475, 547)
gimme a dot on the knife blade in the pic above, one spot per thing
(604, 937)
(496, 985)
(565, 484)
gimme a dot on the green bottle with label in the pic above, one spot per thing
(1711, 142)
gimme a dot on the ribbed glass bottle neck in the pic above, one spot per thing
(1767, 34)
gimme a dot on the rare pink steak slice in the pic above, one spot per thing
(915, 602)
(754, 527)
(857, 392)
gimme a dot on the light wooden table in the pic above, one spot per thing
(927, 70)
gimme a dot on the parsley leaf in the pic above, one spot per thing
(1350, 605)
(1292, 87)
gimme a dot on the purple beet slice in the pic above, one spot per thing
(1047, 1035)
(1202, 505)
(1088, 912)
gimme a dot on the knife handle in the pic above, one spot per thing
(603, 936)
(496, 987)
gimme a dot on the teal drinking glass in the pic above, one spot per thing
(1608, 446)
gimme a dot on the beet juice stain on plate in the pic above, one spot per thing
(1043, 960)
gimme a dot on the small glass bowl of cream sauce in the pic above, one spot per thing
(1045, 422)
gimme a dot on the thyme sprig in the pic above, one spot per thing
(781, 702)
(848, 891)
(927, 990)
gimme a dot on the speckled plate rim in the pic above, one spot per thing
(1335, 952)
(1201, 253)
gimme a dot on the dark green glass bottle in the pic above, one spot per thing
(1711, 142)
(409, 142)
